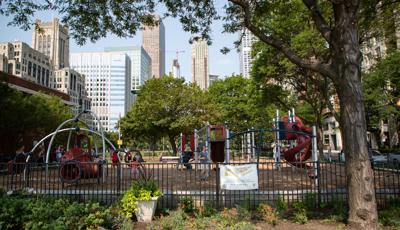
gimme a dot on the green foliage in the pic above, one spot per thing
(14, 212)
(240, 104)
(280, 205)
(381, 87)
(140, 190)
(167, 107)
(174, 221)
(22, 115)
(39, 213)
(267, 213)
(390, 217)
(206, 210)
(337, 209)
(186, 204)
(243, 213)
(300, 212)
(300, 216)
(310, 201)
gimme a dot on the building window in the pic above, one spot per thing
(34, 70)
(38, 73)
(326, 139)
(29, 68)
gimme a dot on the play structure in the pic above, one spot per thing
(299, 136)
(214, 137)
(80, 160)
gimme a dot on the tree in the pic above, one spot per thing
(309, 91)
(167, 106)
(337, 26)
(239, 104)
(29, 116)
(381, 87)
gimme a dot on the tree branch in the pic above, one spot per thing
(278, 44)
(319, 20)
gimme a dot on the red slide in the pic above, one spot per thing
(303, 142)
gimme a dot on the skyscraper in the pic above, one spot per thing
(200, 63)
(52, 40)
(153, 41)
(176, 69)
(140, 64)
(245, 53)
(108, 84)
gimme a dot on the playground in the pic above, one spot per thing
(285, 157)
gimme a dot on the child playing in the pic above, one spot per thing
(135, 168)
(114, 158)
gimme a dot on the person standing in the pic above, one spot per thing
(204, 161)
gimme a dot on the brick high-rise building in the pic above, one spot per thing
(153, 42)
(52, 40)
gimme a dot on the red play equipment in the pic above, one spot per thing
(217, 142)
(77, 164)
(302, 134)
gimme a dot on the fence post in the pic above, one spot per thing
(217, 185)
(315, 159)
(227, 145)
(119, 177)
(318, 184)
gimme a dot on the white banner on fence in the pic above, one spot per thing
(239, 177)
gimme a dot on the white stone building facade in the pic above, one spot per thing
(27, 63)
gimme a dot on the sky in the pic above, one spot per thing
(175, 40)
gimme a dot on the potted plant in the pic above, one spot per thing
(141, 199)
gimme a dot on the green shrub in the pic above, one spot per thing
(140, 190)
(390, 217)
(46, 213)
(280, 205)
(310, 201)
(246, 203)
(13, 212)
(267, 213)
(300, 212)
(206, 210)
(338, 209)
(174, 221)
(228, 217)
(243, 214)
(300, 216)
(243, 225)
(186, 204)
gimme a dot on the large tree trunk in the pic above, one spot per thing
(347, 65)
(360, 179)
(173, 144)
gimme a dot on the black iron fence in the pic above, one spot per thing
(323, 181)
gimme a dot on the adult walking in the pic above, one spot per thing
(204, 160)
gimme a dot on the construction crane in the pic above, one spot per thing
(177, 52)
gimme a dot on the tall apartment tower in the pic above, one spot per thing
(153, 42)
(200, 63)
(245, 53)
(52, 40)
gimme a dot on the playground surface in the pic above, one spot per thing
(171, 178)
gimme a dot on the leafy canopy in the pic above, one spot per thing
(381, 87)
(167, 107)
